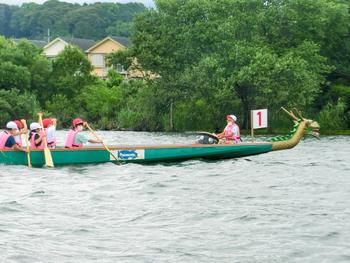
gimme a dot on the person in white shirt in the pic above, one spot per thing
(50, 130)
(21, 129)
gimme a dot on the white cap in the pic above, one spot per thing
(11, 125)
(34, 126)
(233, 117)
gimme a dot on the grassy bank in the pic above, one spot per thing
(286, 131)
(336, 132)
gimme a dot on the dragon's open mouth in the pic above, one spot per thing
(315, 133)
(313, 129)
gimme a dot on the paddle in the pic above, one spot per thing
(27, 143)
(98, 138)
(47, 153)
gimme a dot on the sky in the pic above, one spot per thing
(148, 3)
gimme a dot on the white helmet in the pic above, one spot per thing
(34, 126)
(233, 117)
(11, 125)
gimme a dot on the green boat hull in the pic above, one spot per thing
(136, 154)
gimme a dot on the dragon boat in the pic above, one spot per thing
(203, 149)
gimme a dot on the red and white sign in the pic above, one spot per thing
(259, 118)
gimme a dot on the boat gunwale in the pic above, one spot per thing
(145, 147)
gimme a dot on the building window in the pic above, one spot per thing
(97, 60)
(119, 68)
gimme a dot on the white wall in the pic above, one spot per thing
(54, 49)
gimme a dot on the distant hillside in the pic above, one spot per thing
(92, 21)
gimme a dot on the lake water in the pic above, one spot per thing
(287, 206)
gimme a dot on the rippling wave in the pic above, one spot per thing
(287, 206)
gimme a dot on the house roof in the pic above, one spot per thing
(82, 43)
(123, 41)
(38, 43)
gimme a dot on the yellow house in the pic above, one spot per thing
(97, 53)
(56, 46)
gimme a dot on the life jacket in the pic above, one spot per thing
(229, 133)
(4, 136)
(32, 141)
(70, 139)
(52, 143)
(18, 139)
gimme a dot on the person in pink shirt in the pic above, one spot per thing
(231, 133)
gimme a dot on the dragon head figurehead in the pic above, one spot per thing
(312, 128)
(302, 126)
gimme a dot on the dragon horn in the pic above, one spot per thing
(299, 113)
(290, 113)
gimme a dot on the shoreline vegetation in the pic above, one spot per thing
(202, 60)
(286, 131)
(264, 132)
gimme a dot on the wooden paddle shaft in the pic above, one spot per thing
(27, 144)
(98, 138)
(47, 153)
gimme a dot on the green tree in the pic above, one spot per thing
(82, 20)
(22, 66)
(101, 104)
(37, 64)
(64, 19)
(6, 13)
(123, 57)
(114, 78)
(71, 73)
(242, 50)
(333, 116)
(13, 76)
(141, 107)
(15, 104)
(120, 29)
(65, 109)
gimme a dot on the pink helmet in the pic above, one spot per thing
(77, 121)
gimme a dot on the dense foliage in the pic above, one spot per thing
(64, 19)
(63, 87)
(202, 59)
(217, 57)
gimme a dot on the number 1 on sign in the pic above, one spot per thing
(259, 115)
(259, 118)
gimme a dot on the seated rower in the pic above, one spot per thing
(21, 129)
(50, 130)
(231, 133)
(75, 138)
(36, 136)
(7, 139)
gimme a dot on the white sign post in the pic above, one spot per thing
(258, 120)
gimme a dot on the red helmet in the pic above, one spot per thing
(47, 122)
(77, 121)
(19, 124)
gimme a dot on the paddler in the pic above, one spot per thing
(21, 129)
(75, 139)
(231, 133)
(50, 125)
(36, 136)
(7, 138)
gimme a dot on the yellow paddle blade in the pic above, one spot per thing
(48, 158)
